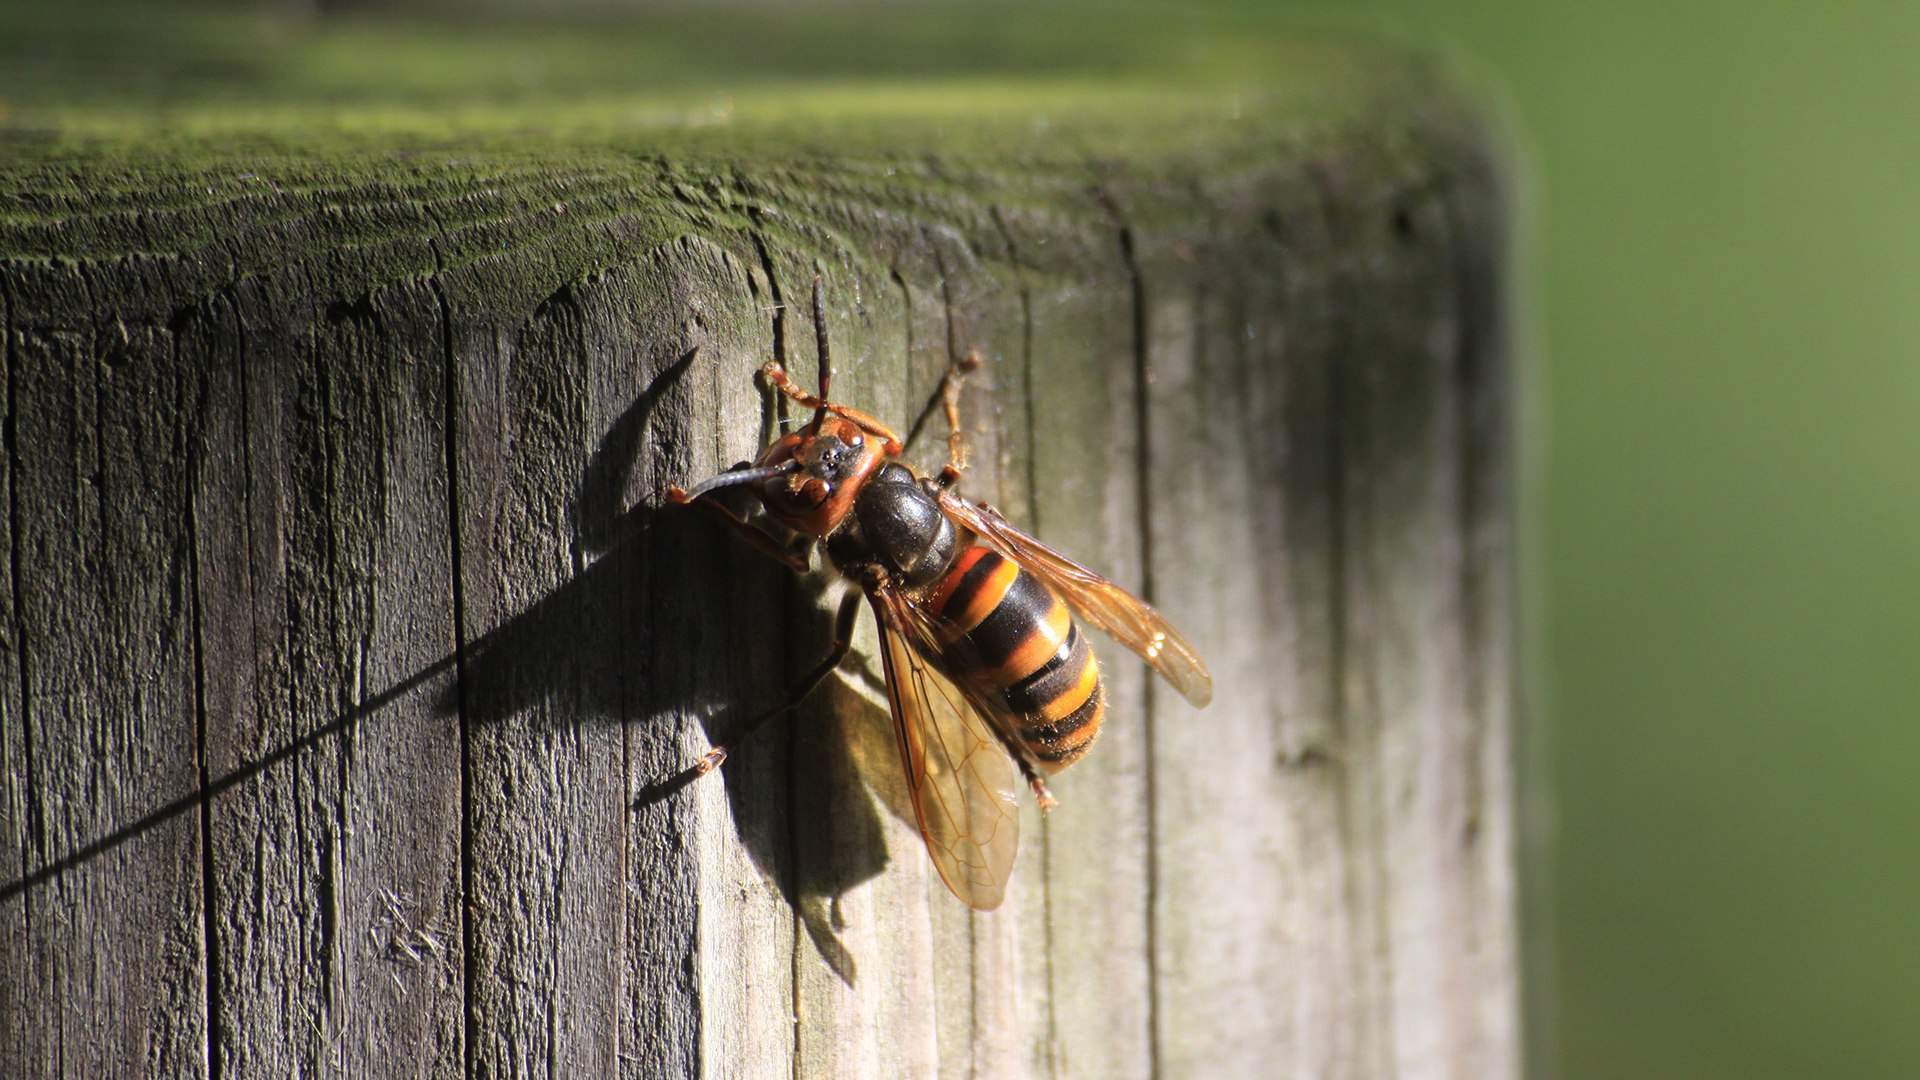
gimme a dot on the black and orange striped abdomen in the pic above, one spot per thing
(1014, 641)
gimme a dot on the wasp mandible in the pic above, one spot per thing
(985, 666)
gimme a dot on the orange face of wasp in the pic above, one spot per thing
(835, 457)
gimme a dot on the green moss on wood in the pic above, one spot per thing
(274, 164)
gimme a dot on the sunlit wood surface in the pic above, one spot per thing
(348, 662)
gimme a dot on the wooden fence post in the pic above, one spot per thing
(349, 659)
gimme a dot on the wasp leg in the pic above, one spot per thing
(777, 374)
(950, 384)
(784, 383)
(947, 397)
(753, 534)
(1040, 793)
(842, 641)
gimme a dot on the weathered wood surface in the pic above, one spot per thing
(347, 659)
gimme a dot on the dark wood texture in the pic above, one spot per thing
(349, 662)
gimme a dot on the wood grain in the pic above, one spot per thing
(351, 670)
(113, 966)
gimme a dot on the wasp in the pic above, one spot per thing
(988, 674)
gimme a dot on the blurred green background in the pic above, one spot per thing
(1724, 298)
(1727, 300)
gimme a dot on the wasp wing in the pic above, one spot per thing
(965, 789)
(1129, 619)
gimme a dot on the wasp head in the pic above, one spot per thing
(821, 469)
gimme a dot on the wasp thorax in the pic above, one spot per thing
(905, 526)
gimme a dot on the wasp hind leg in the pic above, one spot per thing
(1041, 793)
(842, 642)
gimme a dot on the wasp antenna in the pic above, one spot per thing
(826, 359)
(742, 476)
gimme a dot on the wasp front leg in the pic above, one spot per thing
(761, 540)
(781, 381)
